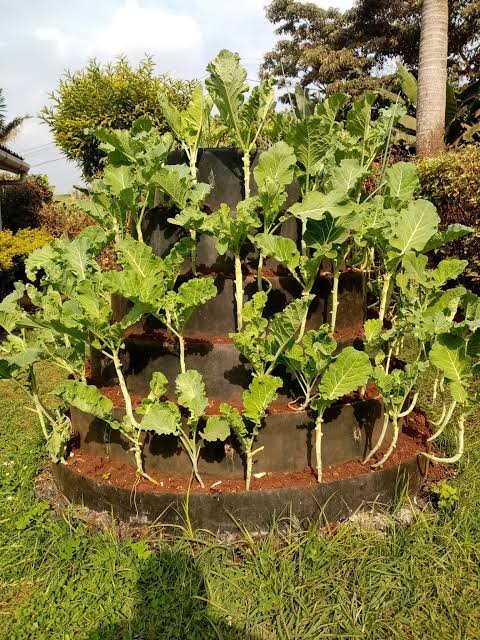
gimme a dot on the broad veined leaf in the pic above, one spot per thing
(372, 328)
(402, 180)
(96, 210)
(235, 419)
(118, 178)
(40, 259)
(216, 428)
(408, 83)
(415, 267)
(76, 256)
(176, 182)
(158, 385)
(285, 324)
(282, 249)
(190, 295)
(162, 418)
(473, 346)
(304, 107)
(414, 226)
(359, 116)
(445, 301)
(448, 354)
(191, 393)
(452, 232)
(328, 109)
(307, 137)
(189, 218)
(448, 269)
(25, 358)
(316, 204)
(256, 110)
(347, 176)
(85, 397)
(275, 167)
(58, 438)
(261, 392)
(349, 371)
(227, 87)
(323, 234)
(139, 257)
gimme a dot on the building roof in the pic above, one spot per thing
(11, 161)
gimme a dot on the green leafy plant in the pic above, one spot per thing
(324, 377)
(246, 425)
(245, 118)
(164, 418)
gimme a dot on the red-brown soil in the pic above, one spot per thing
(213, 408)
(412, 440)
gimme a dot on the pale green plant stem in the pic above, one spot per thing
(140, 219)
(304, 244)
(461, 444)
(318, 445)
(440, 420)
(444, 423)
(396, 430)
(190, 446)
(249, 455)
(336, 279)
(181, 342)
(246, 172)
(384, 297)
(136, 442)
(392, 446)
(259, 272)
(389, 357)
(193, 235)
(435, 386)
(380, 440)
(239, 291)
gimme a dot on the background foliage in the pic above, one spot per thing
(342, 51)
(21, 202)
(452, 182)
(111, 96)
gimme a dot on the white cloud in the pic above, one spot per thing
(135, 30)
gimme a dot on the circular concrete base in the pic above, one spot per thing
(256, 510)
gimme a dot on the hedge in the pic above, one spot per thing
(452, 182)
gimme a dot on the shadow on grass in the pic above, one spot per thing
(171, 603)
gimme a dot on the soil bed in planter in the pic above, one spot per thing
(105, 484)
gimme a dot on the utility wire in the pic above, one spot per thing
(46, 162)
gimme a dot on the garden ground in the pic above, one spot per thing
(59, 579)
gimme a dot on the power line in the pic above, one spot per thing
(46, 162)
(38, 146)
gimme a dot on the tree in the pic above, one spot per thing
(432, 78)
(112, 96)
(8, 129)
(331, 51)
(317, 49)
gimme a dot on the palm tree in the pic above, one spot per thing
(432, 78)
(8, 129)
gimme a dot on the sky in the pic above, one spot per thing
(53, 35)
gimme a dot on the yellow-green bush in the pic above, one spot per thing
(452, 182)
(14, 246)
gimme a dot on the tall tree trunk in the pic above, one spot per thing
(432, 78)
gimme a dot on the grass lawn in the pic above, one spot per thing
(60, 581)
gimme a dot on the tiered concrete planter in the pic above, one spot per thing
(287, 434)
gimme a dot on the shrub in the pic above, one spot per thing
(60, 217)
(21, 202)
(452, 183)
(13, 248)
(110, 96)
